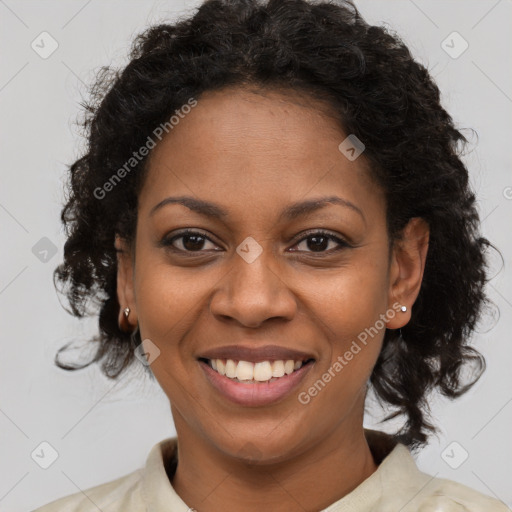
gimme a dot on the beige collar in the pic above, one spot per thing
(394, 461)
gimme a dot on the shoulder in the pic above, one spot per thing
(412, 490)
(121, 494)
(443, 494)
(147, 488)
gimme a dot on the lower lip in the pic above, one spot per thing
(255, 394)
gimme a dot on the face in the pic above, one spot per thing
(262, 274)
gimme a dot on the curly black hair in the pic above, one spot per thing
(375, 89)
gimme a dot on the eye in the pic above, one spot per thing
(189, 240)
(318, 241)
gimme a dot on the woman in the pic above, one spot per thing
(274, 211)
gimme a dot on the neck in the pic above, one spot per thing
(208, 480)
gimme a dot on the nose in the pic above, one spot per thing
(251, 293)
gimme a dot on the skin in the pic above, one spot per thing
(254, 153)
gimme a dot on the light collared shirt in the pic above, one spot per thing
(396, 485)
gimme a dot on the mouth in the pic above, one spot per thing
(253, 384)
(248, 372)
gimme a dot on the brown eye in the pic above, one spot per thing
(318, 242)
(187, 241)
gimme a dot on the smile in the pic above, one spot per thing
(254, 384)
(263, 371)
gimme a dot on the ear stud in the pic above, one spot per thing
(126, 312)
(403, 309)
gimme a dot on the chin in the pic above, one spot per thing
(259, 450)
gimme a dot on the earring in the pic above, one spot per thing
(404, 308)
(124, 325)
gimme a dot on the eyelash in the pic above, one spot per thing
(167, 242)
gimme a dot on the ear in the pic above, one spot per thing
(125, 288)
(407, 265)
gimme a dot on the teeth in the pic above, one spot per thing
(244, 370)
(261, 372)
(221, 366)
(230, 369)
(278, 369)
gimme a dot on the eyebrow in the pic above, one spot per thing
(291, 212)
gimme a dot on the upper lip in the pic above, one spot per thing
(255, 354)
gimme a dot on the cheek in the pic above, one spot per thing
(351, 298)
(167, 306)
(168, 300)
(348, 310)
(167, 295)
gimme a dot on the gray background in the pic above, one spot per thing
(102, 429)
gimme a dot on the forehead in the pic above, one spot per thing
(256, 147)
